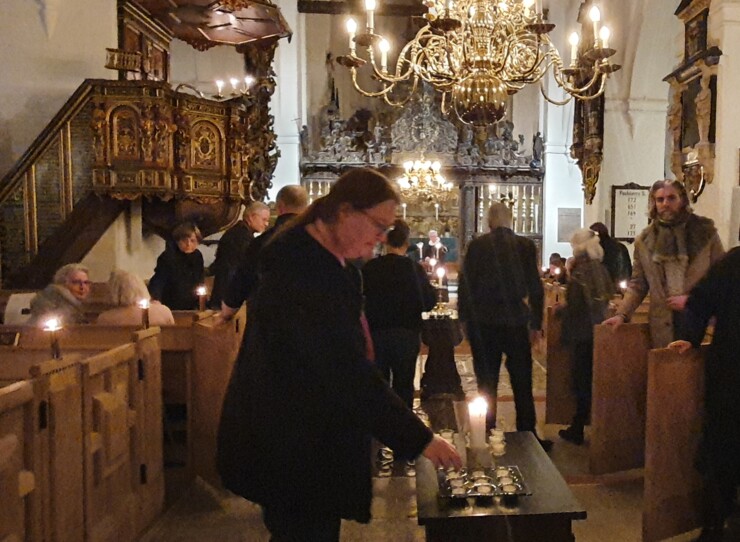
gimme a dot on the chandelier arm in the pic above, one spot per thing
(552, 100)
(369, 94)
(387, 97)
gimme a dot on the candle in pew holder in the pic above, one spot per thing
(52, 325)
(477, 410)
(202, 292)
(440, 275)
(623, 286)
(144, 306)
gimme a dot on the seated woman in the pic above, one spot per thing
(179, 270)
(64, 297)
(126, 290)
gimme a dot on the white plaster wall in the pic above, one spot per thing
(123, 247)
(644, 34)
(288, 105)
(47, 48)
(201, 69)
(721, 200)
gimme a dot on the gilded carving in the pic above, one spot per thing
(591, 169)
(126, 135)
(205, 146)
(99, 125)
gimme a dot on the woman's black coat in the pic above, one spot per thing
(303, 401)
(176, 278)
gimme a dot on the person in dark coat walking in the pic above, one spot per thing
(232, 248)
(290, 200)
(718, 295)
(499, 273)
(179, 270)
(586, 301)
(305, 399)
(397, 290)
(616, 256)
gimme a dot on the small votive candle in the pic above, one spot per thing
(53, 325)
(144, 306)
(202, 291)
(498, 448)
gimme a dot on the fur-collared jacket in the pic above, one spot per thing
(703, 248)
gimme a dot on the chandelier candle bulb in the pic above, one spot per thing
(219, 87)
(403, 206)
(351, 29)
(595, 16)
(202, 291)
(144, 305)
(604, 35)
(234, 82)
(436, 211)
(477, 410)
(574, 40)
(384, 47)
(370, 8)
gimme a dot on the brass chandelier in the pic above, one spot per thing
(477, 53)
(423, 181)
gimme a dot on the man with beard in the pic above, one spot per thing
(671, 255)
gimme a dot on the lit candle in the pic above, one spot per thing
(604, 35)
(234, 82)
(144, 305)
(574, 39)
(432, 262)
(219, 87)
(53, 325)
(440, 275)
(623, 286)
(351, 29)
(436, 211)
(527, 6)
(544, 269)
(384, 47)
(370, 7)
(248, 80)
(420, 246)
(595, 16)
(557, 274)
(202, 291)
(403, 206)
(477, 409)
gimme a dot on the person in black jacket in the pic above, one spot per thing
(718, 295)
(232, 248)
(304, 398)
(397, 290)
(499, 272)
(179, 270)
(290, 200)
(616, 256)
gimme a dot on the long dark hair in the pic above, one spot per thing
(360, 188)
(663, 183)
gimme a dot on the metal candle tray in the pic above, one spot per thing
(482, 482)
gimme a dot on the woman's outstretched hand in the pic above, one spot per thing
(442, 454)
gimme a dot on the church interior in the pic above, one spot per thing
(122, 119)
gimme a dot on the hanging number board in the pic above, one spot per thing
(629, 210)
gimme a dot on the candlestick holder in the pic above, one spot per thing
(144, 305)
(52, 326)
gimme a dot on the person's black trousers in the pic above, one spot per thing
(300, 526)
(583, 367)
(396, 351)
(488, 343)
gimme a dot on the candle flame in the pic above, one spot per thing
(201, 290)
(623, 285)
(440, 272)
(478, 406)
(52, 324)
(144, 303)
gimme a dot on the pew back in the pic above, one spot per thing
(672, 499)
(619, 395)
(561, 399)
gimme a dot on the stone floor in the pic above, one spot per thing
(201, 513)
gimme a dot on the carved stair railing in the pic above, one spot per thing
(187, 158)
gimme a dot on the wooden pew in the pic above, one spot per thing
(619, 398)
(675, 395)
(20, 511)
(215, 351)
(98, 435)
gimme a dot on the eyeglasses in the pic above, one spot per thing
(380, 228)
(79, 282)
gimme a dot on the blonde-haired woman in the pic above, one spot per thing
(64, 297)
(126, 290)
(586, 300)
